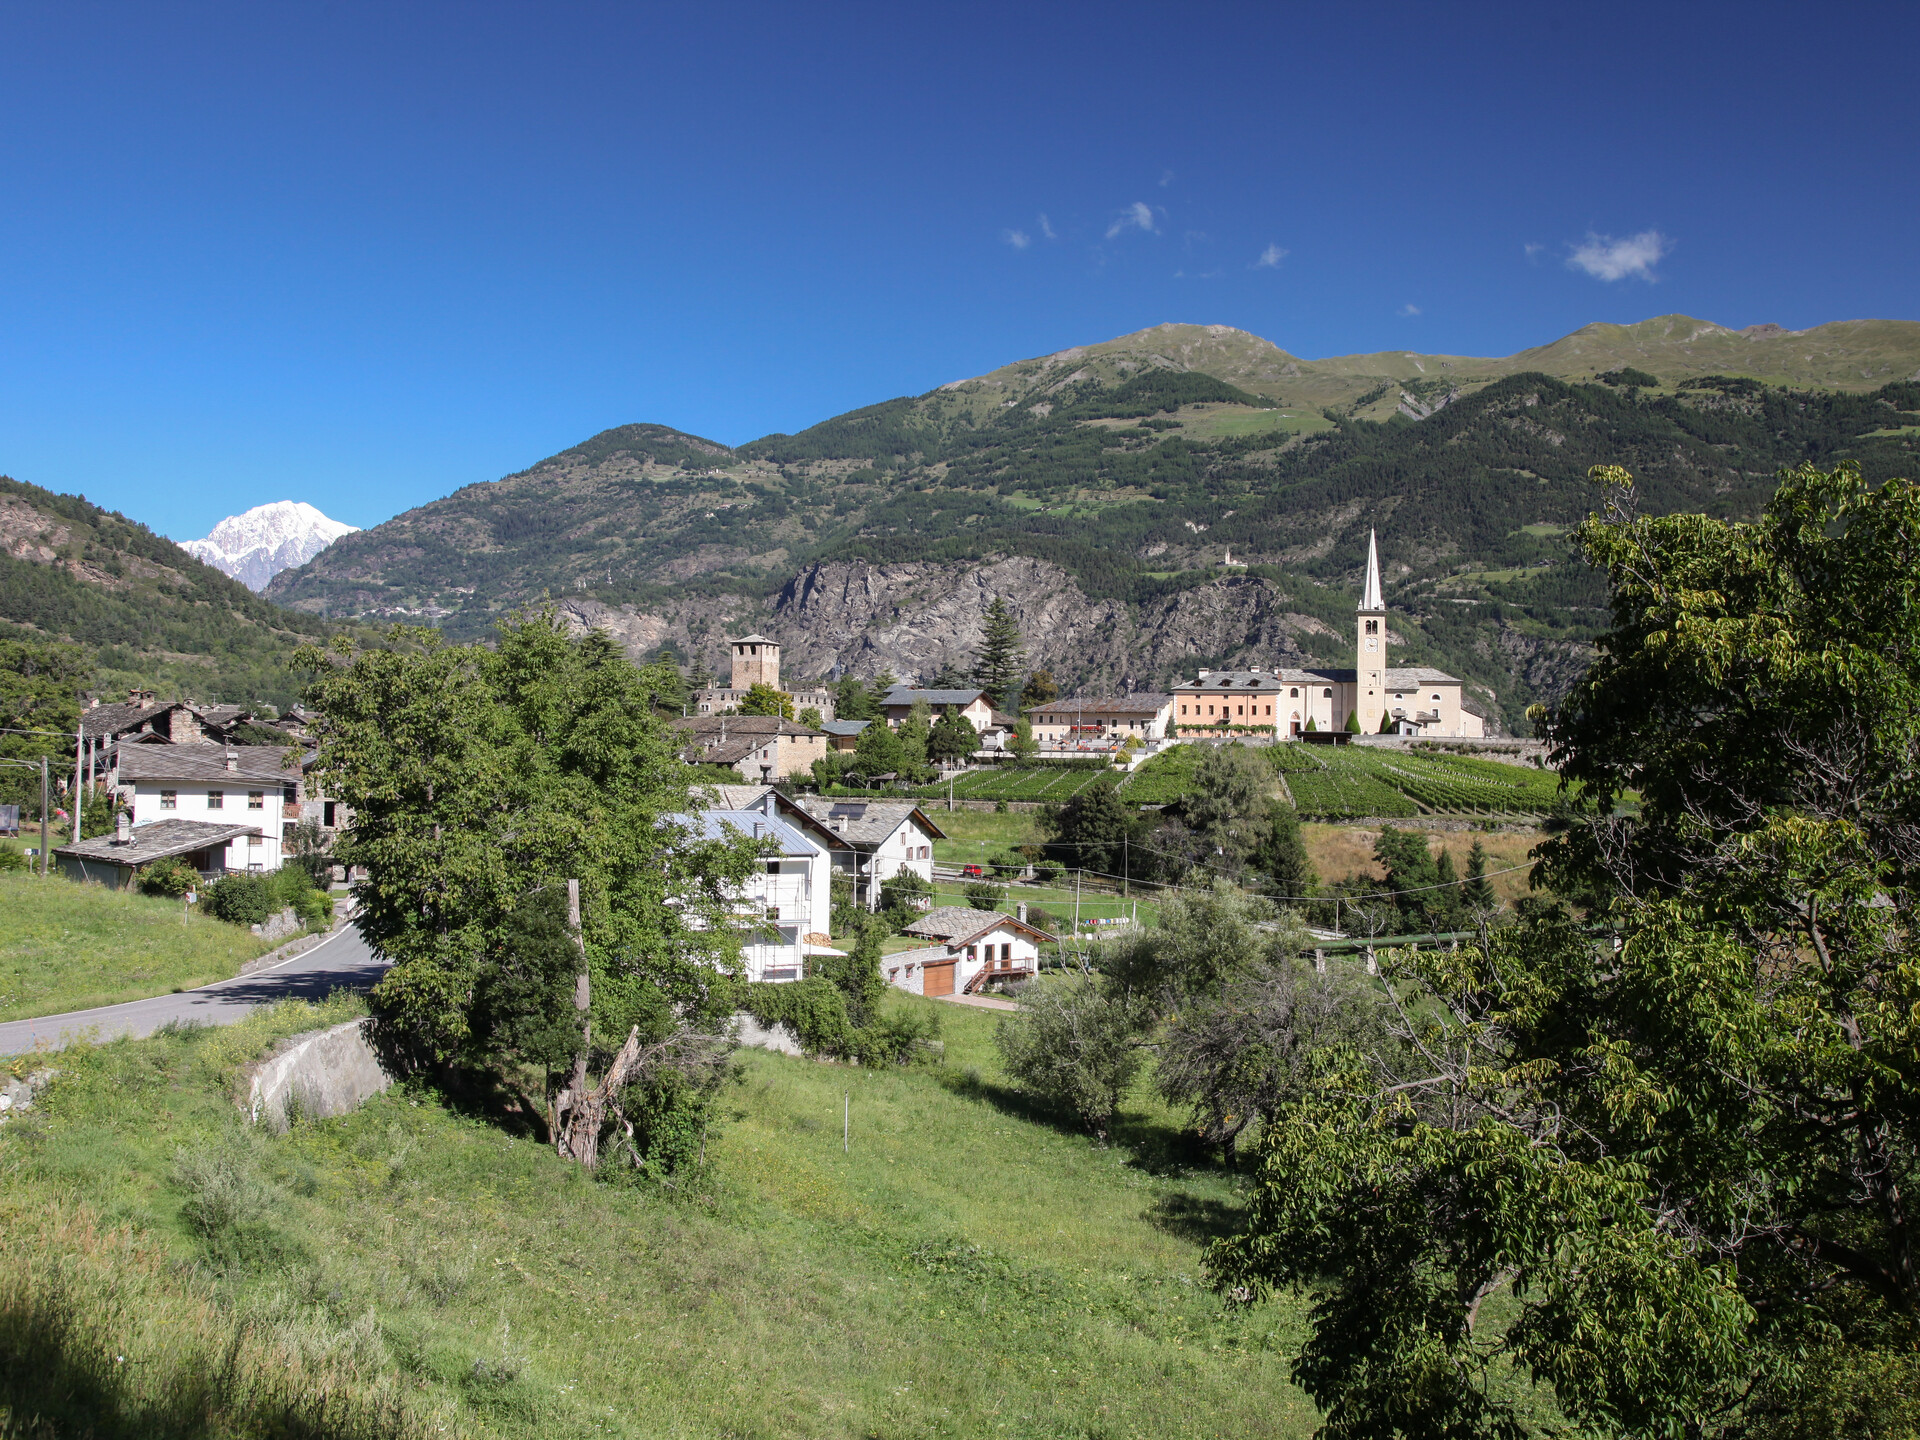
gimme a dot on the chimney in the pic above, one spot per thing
(759, 829)
(123, 829)
(233, 761)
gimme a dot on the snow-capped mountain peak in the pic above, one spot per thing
(258, 544)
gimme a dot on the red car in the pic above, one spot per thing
(973, 872)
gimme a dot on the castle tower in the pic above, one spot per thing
(756, 661)
(1370, 646)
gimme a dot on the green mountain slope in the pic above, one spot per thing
(146, 610)
(1134, 467)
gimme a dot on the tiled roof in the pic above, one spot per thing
(906, 695)
(731, 824)
(206, 762)
(156, 840)
(867, 822)
(845, 727)
(1419, 675)
(730, 751)
(1147, 704)
(737, 797)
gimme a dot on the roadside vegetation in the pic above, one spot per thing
(65, 946)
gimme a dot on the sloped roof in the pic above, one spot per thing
(1255, 680)
(732, 824)
(1419, 675)
(112, 719)
(957, 924)
(906, 695)
(866, 822)
(206, 762)
(729, 751)
(737, 797)
(156, 840)
(844, 727)
(1143, 704)
(740, 725)
(753, 640)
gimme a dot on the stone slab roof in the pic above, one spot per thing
(741, 725)
(865, 822)
(1144, 704)
(906, 695)
(156, 840)
(206, 763)
(845, 727)
(958, 924)
(126, 715)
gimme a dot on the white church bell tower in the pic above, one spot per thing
(1370, 663)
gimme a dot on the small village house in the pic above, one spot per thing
(1078, 719)
(761, 748)
(971, 950)
(788, 906)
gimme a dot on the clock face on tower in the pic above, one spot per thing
(1372, 644)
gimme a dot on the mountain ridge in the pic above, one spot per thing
(1132, 467)
(257, 544)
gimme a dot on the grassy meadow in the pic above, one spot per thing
(66, 946)
(965, 1267)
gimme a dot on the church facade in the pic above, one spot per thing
(1287, 702)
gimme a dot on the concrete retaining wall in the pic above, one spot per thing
(319, 1074)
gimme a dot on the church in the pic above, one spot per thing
(1288, 703)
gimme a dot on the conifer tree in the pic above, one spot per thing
(997, 671)
(1477, 893)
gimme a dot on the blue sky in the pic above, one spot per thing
(363, 255)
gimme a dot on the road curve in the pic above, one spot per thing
(342, 961)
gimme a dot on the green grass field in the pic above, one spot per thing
(967, 1268)
(65, 946)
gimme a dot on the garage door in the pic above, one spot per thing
(939, 979)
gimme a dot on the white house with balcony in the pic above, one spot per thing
(253, 789)
(787, 905)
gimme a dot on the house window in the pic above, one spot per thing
(1328, 693)
(1436, 697)
(1269, 709)
(288, 795)
(1294, 693)
(1209, 709)
(256, 799)
(216, 799)
(1242, 710)
(1006, 951)
(1183, 709)
(1373, 627)
(973, 952)
(169, 800)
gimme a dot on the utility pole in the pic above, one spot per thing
(44, 800)
(79, 760)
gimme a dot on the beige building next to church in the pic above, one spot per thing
(1286, 702)
(756, 661)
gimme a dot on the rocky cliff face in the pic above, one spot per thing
(856, 618)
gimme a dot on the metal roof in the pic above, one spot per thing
(733, 824)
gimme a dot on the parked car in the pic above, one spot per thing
(973, 872)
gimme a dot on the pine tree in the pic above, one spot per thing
(1477, 893)
(997, 671)
(1039, 689)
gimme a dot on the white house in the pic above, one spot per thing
(253, 787)
(1075, 719)
(974, 950)
(871, 841)
(788, 905)
(897, 704)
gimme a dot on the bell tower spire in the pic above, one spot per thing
(1370, 645)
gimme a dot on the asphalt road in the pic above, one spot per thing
(342, 961)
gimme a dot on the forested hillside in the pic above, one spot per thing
(141, 609)
(1130, 473)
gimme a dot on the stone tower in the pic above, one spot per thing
(1370, 646)
(756, 661)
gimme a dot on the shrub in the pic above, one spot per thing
(903, 895)
(242, 899)
(1042, 919)
(1071, 1047)
(1048, 871)
(171, 876)
(1008, 867)
(985, 895)
(11, 859)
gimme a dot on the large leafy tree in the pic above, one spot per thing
(40, 685)
(997, 669)
(1675, 1145)
(763, 699)
(481, 782)
(952, 737)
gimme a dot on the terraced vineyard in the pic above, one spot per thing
(1045, 783)
(1350, 782)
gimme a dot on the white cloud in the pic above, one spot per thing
(1533, 251)
(1407, 312)
(1606, 258)
(1046, 229)
(1166, 178)
(1137, 216)
(1018, 239)
(1270, 258)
